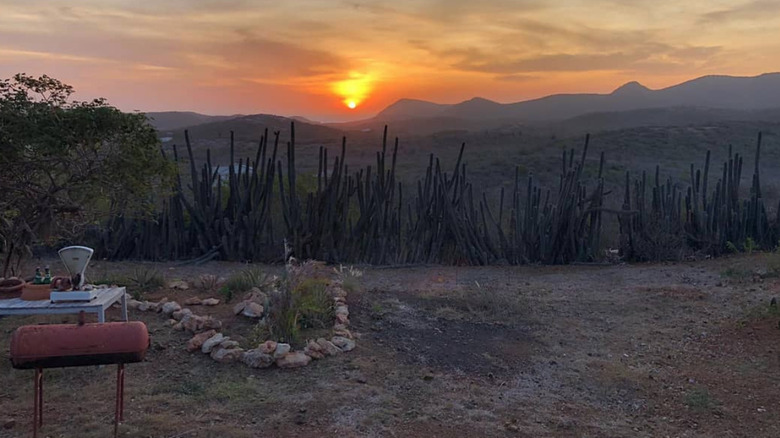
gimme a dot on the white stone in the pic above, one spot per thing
(212, 342)
(343, 343)
(253, 310)
(281, 350)
(170, 307)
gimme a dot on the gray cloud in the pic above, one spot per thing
(754, 10)
(479, 61)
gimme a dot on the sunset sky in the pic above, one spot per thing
(314, 58)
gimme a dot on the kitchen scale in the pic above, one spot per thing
(75, 259)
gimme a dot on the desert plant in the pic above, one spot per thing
(496, 305)
(208, 283)
(226, 293)
(313, 304)
(283, 317)
(257, 335)
(246, 279)
(349, 277)
(106, 277)
(145, 279)
(298, 303)
(700, 400)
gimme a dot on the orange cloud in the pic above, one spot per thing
(299, 57)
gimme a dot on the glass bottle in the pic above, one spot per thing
(38, 279)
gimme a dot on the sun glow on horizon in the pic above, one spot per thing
(353, 90)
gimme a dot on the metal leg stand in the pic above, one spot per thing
(120, 397)
(38, 402)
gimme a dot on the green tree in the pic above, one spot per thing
(66, 164)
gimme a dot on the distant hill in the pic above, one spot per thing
(250, 128)
(716, 92)
(656, 117)
(411, 109)
(172, 120)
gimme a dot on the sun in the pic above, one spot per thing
(353, 90)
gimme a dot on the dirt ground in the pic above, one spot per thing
(657, 350)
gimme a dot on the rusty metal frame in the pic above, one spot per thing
(38, 400)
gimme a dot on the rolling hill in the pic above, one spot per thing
(172, 120)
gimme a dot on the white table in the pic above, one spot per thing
(104, 299)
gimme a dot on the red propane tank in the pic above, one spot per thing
(68, 345)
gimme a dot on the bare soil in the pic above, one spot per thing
(656, 350)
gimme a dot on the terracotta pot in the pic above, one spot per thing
(11, 288)
(36, 292)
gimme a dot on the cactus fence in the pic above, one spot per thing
(365, 216)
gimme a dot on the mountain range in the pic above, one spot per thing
(716, 92)
(701, 100)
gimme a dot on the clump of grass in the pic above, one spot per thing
(313, 303)
(736, 273)
(244, 281)
(762, 311)
(349, 277)
(257, 335)
(208, 283)
(700, 400)
(297, 305)
(485, 303)
(143, 280)
(110, 279)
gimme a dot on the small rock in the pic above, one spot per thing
(257, 296)
(293, 360)
(9, 424)
(194, 301)
(170, 307)
(179, 315)
(253, 310)
(210, 302)
(267, 347)
(133, 304)
(314, 350)
(238, 308)
(328, 347)
(179, 327)
(342, 319)
(257, 359)
(211, 323)
(226, 355)
(343, 333)
(193, 323)
(343, 343)
(178, 284)
(198, 340)
(281, 350)
(342, 310)
(157, 307)
(228, 344)
(428, 376)
(338, 292)
(172, 322)
(145, 306)
(212, 342)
